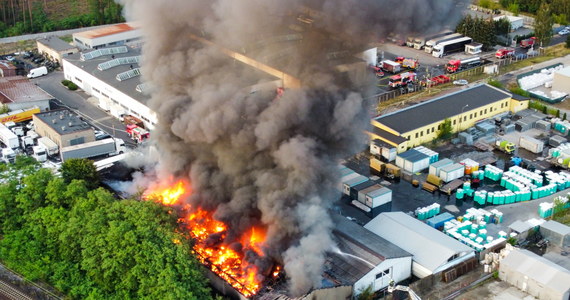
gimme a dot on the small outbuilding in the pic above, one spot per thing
(535, 275)
(473, 48)
(55, 48)
(556, 233)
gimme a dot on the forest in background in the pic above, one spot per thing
(19, 17)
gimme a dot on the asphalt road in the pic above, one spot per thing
(78, 102)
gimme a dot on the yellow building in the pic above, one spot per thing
(55, 48)
(419, 124)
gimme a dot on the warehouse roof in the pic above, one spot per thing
(356, 240)
(63, 121)
(441, 108)
(430, 247)
(396, 139)
(538, 268)
(55, 43)
(20, 89)
(104, 31)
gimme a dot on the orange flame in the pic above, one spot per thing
(168, 195)
(209, 234)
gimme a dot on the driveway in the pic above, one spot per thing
(80, 102)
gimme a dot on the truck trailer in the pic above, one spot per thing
(8, 138)
(431, 43)
(442, 49)
(110, 146)
(420, 42)
(456, 65)
(52, 148)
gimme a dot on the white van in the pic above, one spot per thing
(37, 72)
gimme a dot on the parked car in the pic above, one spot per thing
(27, 55)
(461, 82)
(564, 31)
(38, 60)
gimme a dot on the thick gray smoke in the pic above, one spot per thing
(255, 158)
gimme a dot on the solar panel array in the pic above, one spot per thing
(118, 61)
(129, 74)
(143, 88)
(105, 51)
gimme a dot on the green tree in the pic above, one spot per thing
(81, 169)
(514, 8)
(4, 109)
(445, 130)
(366, 293)
(564, 117)
(543, 25)
(568, 42)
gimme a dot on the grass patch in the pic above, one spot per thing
(67, 38)
(563, 217)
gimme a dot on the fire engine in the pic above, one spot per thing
(137, 133)
(455, 65)
(376, 70)
(401, 80)
(528, 42)
(409, 63)
(504, 53)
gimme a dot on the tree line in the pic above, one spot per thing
(69, 232)
(484, 31)
(32, 16)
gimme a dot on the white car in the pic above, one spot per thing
(461, 82)
(564, 31)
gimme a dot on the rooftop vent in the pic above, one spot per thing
(62, 128)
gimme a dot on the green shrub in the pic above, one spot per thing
(66, 82)
(495, 83)
(517, 90)
(72, 86)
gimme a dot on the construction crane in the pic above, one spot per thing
(393, 287)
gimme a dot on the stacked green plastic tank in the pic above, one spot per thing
(427, 212)
(433, 156)
(562, 126)
(493, 173)
(471, 228)
(467, 189)
(480, 197)
(460, 194)
(478, 175)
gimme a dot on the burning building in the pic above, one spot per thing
(262, 163)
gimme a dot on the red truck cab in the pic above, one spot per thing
(504, 53)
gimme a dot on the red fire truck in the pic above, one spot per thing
(137, 133)
(401, 80)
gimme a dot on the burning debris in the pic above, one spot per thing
(263, 167)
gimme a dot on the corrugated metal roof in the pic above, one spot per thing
(430, 247)
(356, 240)
(540, 269)
(556, 227)
(21, 89)
(443, 107)
(104, 31)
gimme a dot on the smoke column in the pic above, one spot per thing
(251, 158)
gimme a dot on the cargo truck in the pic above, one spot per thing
(531, 144)
(528, 43)
(504, 53)
(420, 42)
(456, 45)
(51, 147)
(40, 153)
(390, 66)
(8, 138)
(505, 146)
(110, 146)
(431, 43)
(8, 155)
(456, 65)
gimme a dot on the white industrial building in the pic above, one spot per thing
(108, 36)
(432, 250)
(516, 22)
(535, 275)
(363, 259)
(112, 75)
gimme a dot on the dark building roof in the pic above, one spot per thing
(360, 251)
(388, 135)
(438, 109)
(63, 121)
(55, 43)
(519, 97)
(20, 89)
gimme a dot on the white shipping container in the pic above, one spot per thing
(452, 172)
(436, 166)
(400, 162)
(389, 153)
(419, 165)
(378, 197)
(346, 178)
(352, 182)
(375, 149)
(362, 194)
(531, 144)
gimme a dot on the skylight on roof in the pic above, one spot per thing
(105, 51)
(129, 74)
(118, 61)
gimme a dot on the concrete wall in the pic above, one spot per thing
(105, 92)
(555, 238)
(400, 269)
(43, 105)
(336, 293)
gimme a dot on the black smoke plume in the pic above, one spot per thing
(252, 157)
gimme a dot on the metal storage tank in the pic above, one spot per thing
(359, 187)
(451, 172)
(353, 182)
(435, 167)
